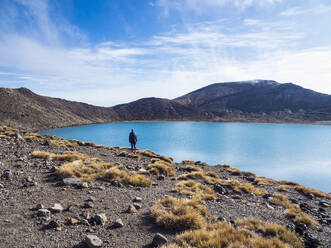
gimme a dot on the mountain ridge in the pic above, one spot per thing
(244, 101)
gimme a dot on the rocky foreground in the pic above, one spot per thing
(67, 193)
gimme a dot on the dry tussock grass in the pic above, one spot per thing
(180, 214)
(288, 182)
(212, 178)
(250, 233)
(293, 211)
(89, 169)
(128, 155)
(191, 168)
(195, 189)
(307, 190)
(188, 162)
(234, 171)
(161, 167)
(263, 181)
(285, 187)
(151, 154)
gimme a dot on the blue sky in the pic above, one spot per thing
(111, 52)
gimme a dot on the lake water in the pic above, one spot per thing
(300, 153)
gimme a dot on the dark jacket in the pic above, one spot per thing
(133, 138)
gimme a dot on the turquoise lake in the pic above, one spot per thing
(300, 153)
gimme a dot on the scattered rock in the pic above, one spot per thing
(221, 218)
(70, 208)
(311, 241)
(92, 241)
(118, 223)
(88, 204)
(291, 227)
(73, 221)
(300, 227)
(324, 204)
(44, 213)
(137, 199)
(72, 181)
(328, 220)
(84, 185)
(161, 177)
(131, 209)
(219, 189)
(91, 198)
(159, 240)
(8, 174)
(100, 219)
(57, 208)
(53, 224)
(39, 206)
(269, 206)
(266, 196)
(137, 205)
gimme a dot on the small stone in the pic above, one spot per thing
(100, 219)
(268, 206)
(137, 199)
(131, 209)
(291, 227)
(221, 218)
(118, 223)
(73, 221)
(89, 204)
(137, 205)
(91, 198)
(8, 174)
(39, 206)
(57, 208)
(300, 227)
(328, 220)
(159, 240)
(72, 181)
(101, 188)
(161, 177)
(84, 185)
(44, 213)
(92, 241)
(311, 241)
(324, 204)
(219, 189)
(310, 196)
(266, 196)
(295, 201)
(53, 224)
(70, 208)
(155, 184)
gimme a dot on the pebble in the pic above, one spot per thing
(8, 174)
(39, 206)
(137, 205)
(269, 206)
(53, 224)
(57, 208)
(137, 199)
(311, 241)
(73, 221)
(44, 213)
(131, 209)
(92, 241)
(100, 219)
(221, 218)
(291, 227)
(72, 181)
(118, 223)
(84, 185)
(324, 204)
(161, 177)
(89, 204)
(159, 240)
(300, 227)
(219, 189)
(91, 198)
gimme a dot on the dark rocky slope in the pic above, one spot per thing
(247, 101)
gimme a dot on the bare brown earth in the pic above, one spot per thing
(34, 181)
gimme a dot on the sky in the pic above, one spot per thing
(112, 52)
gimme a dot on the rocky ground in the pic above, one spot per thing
(40, 209)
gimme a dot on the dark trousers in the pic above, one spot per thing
(133, 147)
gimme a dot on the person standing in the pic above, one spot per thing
(133, 140)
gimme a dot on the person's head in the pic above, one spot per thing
(131, 130)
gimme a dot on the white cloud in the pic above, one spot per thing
(295, 11)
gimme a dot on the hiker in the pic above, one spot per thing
(133, 141)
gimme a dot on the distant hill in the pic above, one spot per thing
(247, 101)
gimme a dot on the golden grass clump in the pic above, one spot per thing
(67, 156)
(284, 187)
(263, 181)
(281, 200)
(195, 189)
(234, 171)
(180, 214)
(191, 168)
(293, 211)
(188, 162)
(250, 233)
(151, 154)
(288, 183)
(161, 167)
(307, 190)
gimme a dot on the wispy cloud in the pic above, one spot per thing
(295, 11)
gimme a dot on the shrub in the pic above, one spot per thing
(161, 167)
(180, 214)
(195, 189)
